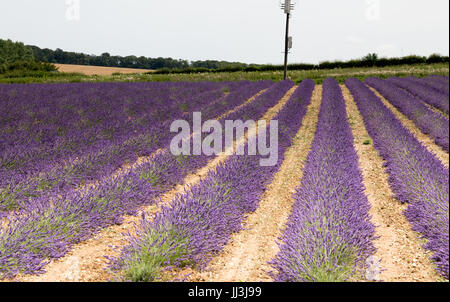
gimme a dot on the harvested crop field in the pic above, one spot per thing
(91, 189)
(97, 70)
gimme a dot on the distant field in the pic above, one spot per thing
(97, 70)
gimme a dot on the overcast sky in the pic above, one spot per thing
(250, 31)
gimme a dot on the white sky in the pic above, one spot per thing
(250, 31)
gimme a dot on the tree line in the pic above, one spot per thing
(14, 51)
(17, 59)
(371, 60)
(18, 56)
(65, 57)
(14, 55)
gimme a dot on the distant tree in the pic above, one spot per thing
(105, 59)
(14, 51)
(370, 59)
(60, 56)
(437, 58)
(142, 62)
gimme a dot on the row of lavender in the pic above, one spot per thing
(199, 223)
(428, 121)
(95, 164)
(422, 90)
(329, 234)
(44, 231)
(416, 176)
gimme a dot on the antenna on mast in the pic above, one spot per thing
(287, 6)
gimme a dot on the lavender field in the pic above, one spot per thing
(90, 190)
